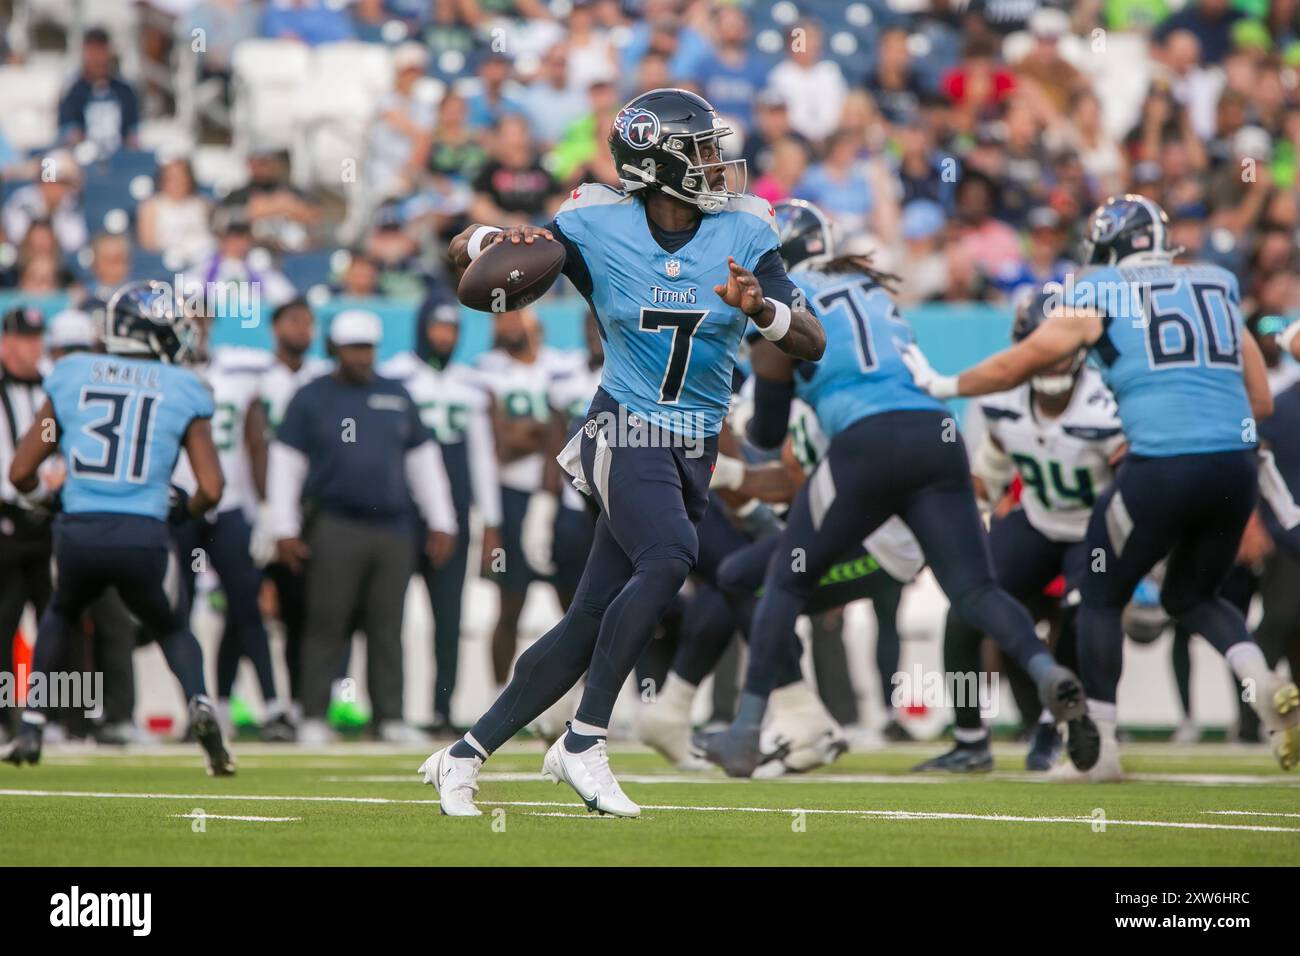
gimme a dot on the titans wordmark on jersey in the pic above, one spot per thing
(1170, 352)
(121, 425)
(671, 341)
(1063, 462)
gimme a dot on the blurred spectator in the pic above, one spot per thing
(661, 29)
(237, 260)
(897, 88)
(583, 153)
(785, 173)
(99, 106)
(395, 251)
(731, 75)
(922, 266)
(979, 83)
(513, 187)
(923, 171)
(1045, 261)
(1043, 69)
(552, 102)
(454, 149)
(1194, 86)
(1209, 21)
(400, 135)
(848, 187)
(771, 125)
(55, 198)
(110, 263)
(1098, 151)
(591, 54)
(175, 218)
(813, 89)
(223, 24)
(41, 275)
(370, 19)
(986, 243)
(360, 278)
(278, 214)
(494, 95)
(309, 21)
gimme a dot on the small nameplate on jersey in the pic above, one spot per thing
(387, 403)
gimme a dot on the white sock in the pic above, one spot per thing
(677, 694)
(1247, 662)
(969, 736)
(588, 730)
(274, 709)
(1102, 710)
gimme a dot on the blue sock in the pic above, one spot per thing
(462, 749)
(582, 737)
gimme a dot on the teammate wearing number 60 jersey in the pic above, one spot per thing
(1191, 385)
(120, 421)
(894, 450)
(675, 266)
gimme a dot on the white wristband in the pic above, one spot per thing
(775, 330)
(476, 240)
(1288, 335)
(728, 473)
(943, 386)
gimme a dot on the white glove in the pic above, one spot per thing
(925, 377)
(538, 532)
(261, 544)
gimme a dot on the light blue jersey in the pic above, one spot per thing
(1170, 353)
(121, 425)
(670, 340)
(862, 372)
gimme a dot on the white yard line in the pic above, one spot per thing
(560, 806)
(1252, 813)
(219, 816)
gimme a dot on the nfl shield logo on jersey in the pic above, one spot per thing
(673, 267)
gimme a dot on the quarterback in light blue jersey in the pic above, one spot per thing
(675, 265)
(1190, 385)
(121, 420)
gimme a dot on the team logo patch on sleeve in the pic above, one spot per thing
(639, 128)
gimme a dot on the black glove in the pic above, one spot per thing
(178, 510)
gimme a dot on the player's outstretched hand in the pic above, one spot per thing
(741, 290)
(925, 377)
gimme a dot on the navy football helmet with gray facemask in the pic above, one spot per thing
(1126, 226)
(669, 140)
(141, 320)
(806, 235)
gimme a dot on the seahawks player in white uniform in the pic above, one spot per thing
(1060, 432)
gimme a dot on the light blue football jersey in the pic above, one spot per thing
(670, 341)
(1170, 353)
(121, 424)
(862, 372)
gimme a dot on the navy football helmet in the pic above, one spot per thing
(1031, 312)
(1126, 226)
(805, 234)
(141, 321)
(669, 140)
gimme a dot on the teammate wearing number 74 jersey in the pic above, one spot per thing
(675, 266)
(1191, 385)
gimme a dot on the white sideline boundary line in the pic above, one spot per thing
(559, 806)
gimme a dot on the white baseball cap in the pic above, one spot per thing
(71, 329)
(356, 327)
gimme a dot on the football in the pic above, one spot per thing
(510, 275)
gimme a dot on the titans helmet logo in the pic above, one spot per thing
(639, 128)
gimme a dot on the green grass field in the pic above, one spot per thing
(364, 805)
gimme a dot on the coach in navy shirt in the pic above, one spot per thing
(348, 459)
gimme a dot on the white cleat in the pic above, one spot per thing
(400, 732)
(801, 735)
(1279, 711)
(588, 773)
(1105, 770)
(314, 732)
(456, 780)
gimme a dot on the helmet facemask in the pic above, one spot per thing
(697, 165)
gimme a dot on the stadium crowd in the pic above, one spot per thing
(331, 149)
